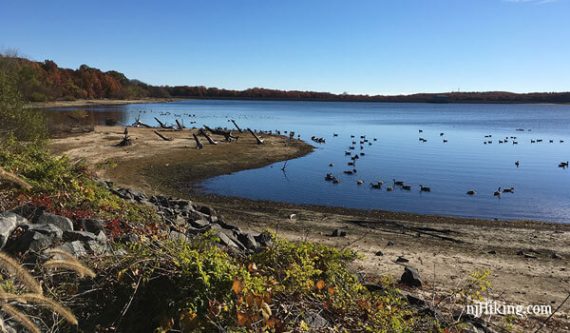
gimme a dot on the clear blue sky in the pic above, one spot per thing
(358, 46)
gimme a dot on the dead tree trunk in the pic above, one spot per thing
(126, 141)
(165, 138)
(236, 125)
(209, 138)
(139, 123)
(259, 140)
(227, 134)
(180, 126)
(162, 125)
(199, 144)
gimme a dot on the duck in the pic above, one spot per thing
(376, 185)
(497, 193)
(425, 188)
(398, 182)
(509, 190)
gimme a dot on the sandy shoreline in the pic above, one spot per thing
(529, 261)
(88, 102)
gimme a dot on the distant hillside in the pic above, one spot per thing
(45, 81)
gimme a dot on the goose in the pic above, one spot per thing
(350, 163)
(347, 152)
(329, 177)
(515, 142)
(352, 136)
(532, 141)
(362, 154)
(335, 134)
(563, 164)
(398, 182)
(359, 182)
(335, 181)
(425, 188)
(561, 141)
(389, 189)
(471, 192)
(376, 185)
(421, 131)
(441, 134)
(444, 141)
(517, 163)
(497, 193)
(551, 141)
(406, 187)
(375, 139)
(353, 142)
(509, 190)
(348, 172)
(351, 148)
(331, 165)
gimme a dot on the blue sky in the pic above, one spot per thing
(357, 46)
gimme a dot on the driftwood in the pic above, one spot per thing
(165, 138)
(126, 141)
(227, 134)
(236, 125)
(259, 140)
(397, 227)
(12, 178)
(199, 144)
(179, 125)
(209, 138)
(139, 123)
(162, 125)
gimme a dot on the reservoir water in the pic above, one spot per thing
(450, 169)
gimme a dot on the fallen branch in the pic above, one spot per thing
(199, 145)
(227, 134)
(210, 140)
(179, 125)
(399, 228)
(165, 138)
(259, 140)
(162, 125)
(236, 125)
(12, 178)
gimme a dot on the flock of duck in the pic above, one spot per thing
(402, 185)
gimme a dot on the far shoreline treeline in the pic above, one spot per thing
(47, 82)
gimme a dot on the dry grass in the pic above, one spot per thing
(21, 318)
(14, 267)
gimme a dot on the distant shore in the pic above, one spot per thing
(88, 102)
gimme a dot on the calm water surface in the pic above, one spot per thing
(542, 190)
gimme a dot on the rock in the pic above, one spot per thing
(379, 253)
(556, 256)
(411, 277)
(177, 236)
(97, 247)
(248, 241)
(228, 241)
(83, 236)
(206, 210)
(29, 211)
(264, 239)
(92, 225)
(401, 259)
(416, 301)
(316, 322)
(61, 222)
(492, 252)
(201, 223)
(8, 223)
(338, 233)
(49, 230)
(30, 240)
(75, 248)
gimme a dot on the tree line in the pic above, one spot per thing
(46, 81)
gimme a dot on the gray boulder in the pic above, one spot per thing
(83, 236)
(92, 225)
(411, 277)
(30, 240)
(8, 223)
(75, 248)
(61, 222)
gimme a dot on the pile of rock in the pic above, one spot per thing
(29, 228)
(187, 219)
